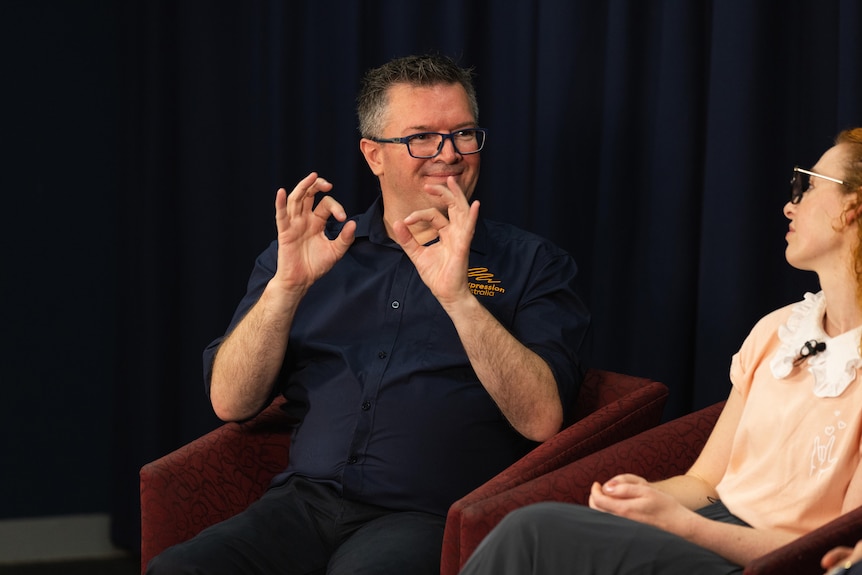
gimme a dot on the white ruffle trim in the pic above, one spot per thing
(833, 368)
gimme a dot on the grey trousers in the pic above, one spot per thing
(560, 538)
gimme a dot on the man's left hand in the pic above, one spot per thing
(442, 265)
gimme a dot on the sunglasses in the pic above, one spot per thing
(800, 182)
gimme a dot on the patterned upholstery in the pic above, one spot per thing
(210, 479)
(663, 451)
(802, 556)
(221, 473)
(611, 407)
(656, 453)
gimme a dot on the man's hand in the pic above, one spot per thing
(441, 265)
(517, 379)
(304, 251)
(249, 359)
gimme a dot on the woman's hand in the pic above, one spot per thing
(633, 497)
(841, 558)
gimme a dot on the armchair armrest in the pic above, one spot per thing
(210, 479)
(802, 556)
(610, 408)
(657, 453)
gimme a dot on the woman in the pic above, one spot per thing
(784, 456)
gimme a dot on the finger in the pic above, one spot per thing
(329, 206)
(299, 191)
(280, 208)
(630, 478)
(834, 557)
(431, 216)
(459, 211)
(438, 190)
(347, 235)
(473, 214)
(596, 496)
(623, 487)
(404, 237)
(456, 191)
(616, 480)
(301, 199)
(344, 239)
(450, 192)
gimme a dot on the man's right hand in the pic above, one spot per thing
(304, 251)
(249, 359)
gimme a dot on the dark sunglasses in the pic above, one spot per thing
(800, 182)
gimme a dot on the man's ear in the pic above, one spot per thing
(372, 152)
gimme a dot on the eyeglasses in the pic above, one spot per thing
(800, 183)
(425, 145)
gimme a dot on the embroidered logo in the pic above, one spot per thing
(482, 282)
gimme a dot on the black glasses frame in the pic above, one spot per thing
(481, 133)
(796, 191)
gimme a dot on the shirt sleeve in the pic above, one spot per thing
(264, 269)
(553, 322)
(756, 349)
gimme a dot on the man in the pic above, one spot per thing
(421, 349)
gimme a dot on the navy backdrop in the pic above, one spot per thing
(652, 139)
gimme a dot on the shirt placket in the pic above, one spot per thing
(387, 334)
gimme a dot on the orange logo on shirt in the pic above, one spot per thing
(482, 282)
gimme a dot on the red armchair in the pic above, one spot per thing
(611, 407)
(802, 557)
(663, 451)
(221, 473)
(210, 479)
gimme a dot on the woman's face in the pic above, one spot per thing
(820, 233)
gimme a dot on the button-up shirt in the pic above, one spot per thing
(387, 406)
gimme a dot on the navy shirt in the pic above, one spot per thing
(388, 408)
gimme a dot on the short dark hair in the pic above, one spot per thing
(428, 70)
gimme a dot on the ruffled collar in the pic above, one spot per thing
(833, 368)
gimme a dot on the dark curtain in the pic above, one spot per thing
(652, 139)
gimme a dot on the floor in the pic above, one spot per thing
(62, 545)
(112, 566)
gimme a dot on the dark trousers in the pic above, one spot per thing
(560, 538)
(303, 527)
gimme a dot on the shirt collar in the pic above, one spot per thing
(834, 368)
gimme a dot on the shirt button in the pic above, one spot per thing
(381, 354)
(366, 405)
(396, 305)
(352, 459)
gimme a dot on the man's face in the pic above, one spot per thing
(443, 108)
